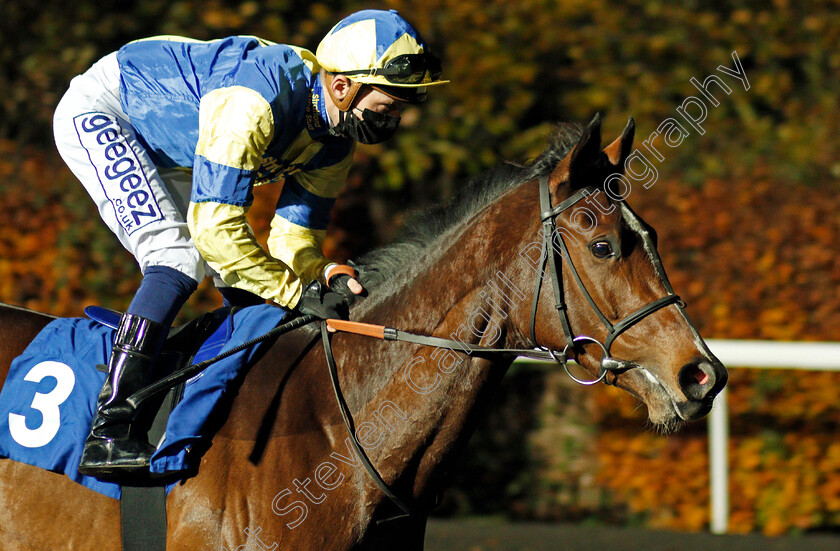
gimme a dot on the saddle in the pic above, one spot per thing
(193, 342)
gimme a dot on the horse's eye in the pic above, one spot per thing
(601, 249)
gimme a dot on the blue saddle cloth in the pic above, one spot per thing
(48, 399)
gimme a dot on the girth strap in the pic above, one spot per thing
(143, 507)
(143, 518)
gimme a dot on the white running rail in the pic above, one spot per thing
(819, 356)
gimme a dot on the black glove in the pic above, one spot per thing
(322, 303)
(338, 283)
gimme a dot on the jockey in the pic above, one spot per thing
(169, 135)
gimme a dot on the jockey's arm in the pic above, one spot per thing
(235, 127)
(225, 239)
(300, 222)
(228, 155)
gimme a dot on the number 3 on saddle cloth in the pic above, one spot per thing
(48, 399)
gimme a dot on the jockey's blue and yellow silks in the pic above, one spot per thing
(303, 208)
(235, 126)
(237, 112)
(164, 80)
(49, 396)
(298, 247)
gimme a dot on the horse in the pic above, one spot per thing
(491, 269)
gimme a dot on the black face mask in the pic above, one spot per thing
(372, 128)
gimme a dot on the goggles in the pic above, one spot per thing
(405, 69)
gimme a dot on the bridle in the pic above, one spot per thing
(552, 240)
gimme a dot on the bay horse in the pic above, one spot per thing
(281, 472)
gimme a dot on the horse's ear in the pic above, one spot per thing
(583, 155)
(618, 151)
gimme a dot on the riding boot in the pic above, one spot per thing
(113, 449)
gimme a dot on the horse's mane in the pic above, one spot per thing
(385, 263)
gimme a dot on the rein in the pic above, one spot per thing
(553, 246)
(551, 237)
(182, 375)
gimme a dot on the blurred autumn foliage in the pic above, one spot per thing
(759, 262)
(747, 216)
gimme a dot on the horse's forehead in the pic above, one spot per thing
(632, 220)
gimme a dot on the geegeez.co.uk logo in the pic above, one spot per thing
(119, 171)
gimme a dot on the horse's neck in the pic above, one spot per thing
(421, 399)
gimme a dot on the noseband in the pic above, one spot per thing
(554, 246)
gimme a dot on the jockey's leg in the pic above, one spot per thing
(145, 207)
(113, 447)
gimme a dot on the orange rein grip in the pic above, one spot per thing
(342, 269)
(367, 329)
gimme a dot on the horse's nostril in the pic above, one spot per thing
(696, 379)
